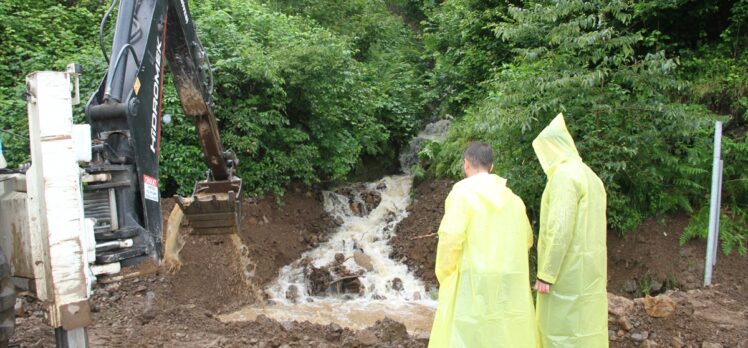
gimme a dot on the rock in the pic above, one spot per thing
(711, 345)
(677, 343)
(649, 344)
(655, 286)
(625, 324)
(630, 286)
(339, 258)
(252, 220)
(141, 288)
(365, 338)
(355, 208)
(619, 305)
(254, 341)
(151, 308)
(637, 337)
(397, 284)
(19, 308)
(612, 334)
(292, 293)
(390, 330)
(417, 296)
(363, 260)
(661, 306)
(333, 332)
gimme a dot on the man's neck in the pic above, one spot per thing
(479, 172)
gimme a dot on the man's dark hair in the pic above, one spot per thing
(479, 154)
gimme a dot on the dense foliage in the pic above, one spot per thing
(295, 100)
(305, 90)
(639, 88)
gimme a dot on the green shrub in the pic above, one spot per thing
(577, 57)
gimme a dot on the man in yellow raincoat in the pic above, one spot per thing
(572, 306)
(485, 298)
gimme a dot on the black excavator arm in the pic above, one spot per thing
(125, 118)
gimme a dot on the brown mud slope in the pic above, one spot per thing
(211, 276)
(155, 308)
(649, 260)
(415, 241)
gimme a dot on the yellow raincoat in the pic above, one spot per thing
(482, 268)
(572, 253)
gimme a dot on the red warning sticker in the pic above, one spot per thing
(150, 189)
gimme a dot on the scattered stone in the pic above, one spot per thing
(655, 286)
(621, 333)
(151, 308)
(252, 220)
(141, 288)
(292, 293)
(389, 330)
(637, 337)
(619, 305)
(417, 296)
(661, 306)
(397, 284)
(20, 308)
(677, 343)
(339, 258)
(333, 332)
(711, 345)
(363, 260)
(355, 208)
(649, 344)
(630, 286)
(365, 338)
(254, 341)
(625, 324)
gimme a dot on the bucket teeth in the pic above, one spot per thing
(214, 208)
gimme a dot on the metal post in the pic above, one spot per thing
(75, 338)
(714, 206)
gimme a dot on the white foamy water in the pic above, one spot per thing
(370, 233)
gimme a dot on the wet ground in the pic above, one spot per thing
(204, 304)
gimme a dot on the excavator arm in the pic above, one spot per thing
(125, 118)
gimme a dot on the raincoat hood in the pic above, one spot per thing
(490, 188)
(554, 145)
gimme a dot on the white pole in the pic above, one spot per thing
(714, 206)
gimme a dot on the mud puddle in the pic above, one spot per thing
(350, 279)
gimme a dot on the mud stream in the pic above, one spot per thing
(350, 279)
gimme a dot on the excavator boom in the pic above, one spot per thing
(125, 117)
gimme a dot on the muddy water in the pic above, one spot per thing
(387, 287)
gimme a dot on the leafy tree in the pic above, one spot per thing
(458, 39)
(577, 57)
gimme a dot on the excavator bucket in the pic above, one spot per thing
(214, 208)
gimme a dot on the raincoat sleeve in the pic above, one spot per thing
(452, 232)
(559, 227)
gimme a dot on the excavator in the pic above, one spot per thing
(117, 182)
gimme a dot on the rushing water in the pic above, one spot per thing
(388, 288)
